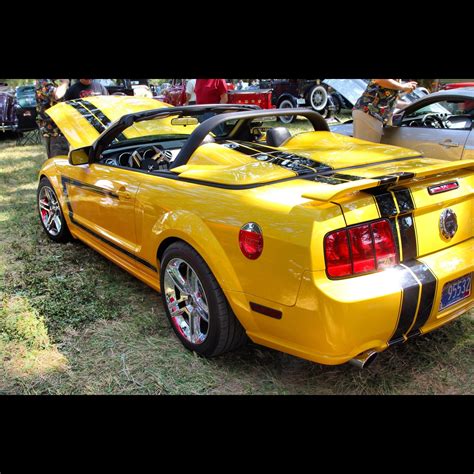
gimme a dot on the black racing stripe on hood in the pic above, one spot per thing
(86, 113)
(96, 112)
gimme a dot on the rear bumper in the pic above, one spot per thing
(335, 320)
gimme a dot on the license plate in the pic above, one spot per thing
(455, 291)
(301, 101)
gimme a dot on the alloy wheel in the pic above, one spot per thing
(186, 301)
(50, 211)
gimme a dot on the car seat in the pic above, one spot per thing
(277, 136)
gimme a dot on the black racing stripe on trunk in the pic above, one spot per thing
(404, 200)
(428, 292)
(384, 180)
(393, 226)
(385, 201)
(347, 177)
(406, 224)
(66, 180)
(403, 175)
(296, 163)
(411, 291)
(91, 118)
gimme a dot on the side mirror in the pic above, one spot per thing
(79, 156)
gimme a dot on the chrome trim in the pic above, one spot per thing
(448, 223)
(365, 359)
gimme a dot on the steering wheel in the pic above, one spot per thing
(432, 121)
(159, 161)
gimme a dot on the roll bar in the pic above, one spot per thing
(196, 137)
(241, 112)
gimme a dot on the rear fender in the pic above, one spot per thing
(194, 231)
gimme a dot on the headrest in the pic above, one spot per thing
(277, 136)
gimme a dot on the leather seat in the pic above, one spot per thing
(277, 136)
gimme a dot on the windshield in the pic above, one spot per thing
(26, 97)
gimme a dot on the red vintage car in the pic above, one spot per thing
(176, 95)
(456, 85)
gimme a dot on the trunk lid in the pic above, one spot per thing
(428, 202)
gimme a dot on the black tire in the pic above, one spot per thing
(286, 104)
(224, 331)
(62, 234)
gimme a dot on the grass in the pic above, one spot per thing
(71, 322)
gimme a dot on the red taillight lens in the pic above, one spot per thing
(360, 249)
(385, 248)
(338, 257)
(251, 240)
(362, 246)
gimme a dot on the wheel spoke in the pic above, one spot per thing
(57, 222)
(178, 280)
(44, 205)
(195, 327)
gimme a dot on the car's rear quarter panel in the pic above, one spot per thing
(209, 218)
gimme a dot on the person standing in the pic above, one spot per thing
(375, 107)
(211, 91)
(85, 88)
(190, 95)
(48, 93)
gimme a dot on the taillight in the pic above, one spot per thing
(251, 240)
(360, 249)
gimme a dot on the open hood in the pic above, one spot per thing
(352, 89)
(81, 121)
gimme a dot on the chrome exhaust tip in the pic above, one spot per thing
(365, 359)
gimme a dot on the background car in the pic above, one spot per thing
(289, 93)
(438, 125)
(25, 108)
(8, 118)
(117, 86)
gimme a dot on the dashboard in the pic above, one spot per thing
(149, 157)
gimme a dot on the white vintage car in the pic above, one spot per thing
(439, 125)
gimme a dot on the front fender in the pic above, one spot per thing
(51, 171)
(190, 228)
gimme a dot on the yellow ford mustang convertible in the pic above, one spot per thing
(320, 245)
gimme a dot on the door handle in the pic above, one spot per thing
(448, 143)
(123, 194)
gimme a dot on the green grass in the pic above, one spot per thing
(71, 322)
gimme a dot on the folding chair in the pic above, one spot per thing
(29, 137)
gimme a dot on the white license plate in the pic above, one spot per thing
(455, 291)
(301, 101)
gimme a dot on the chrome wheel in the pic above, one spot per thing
(186, 301)
(50, 211)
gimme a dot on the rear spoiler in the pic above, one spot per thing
(330, 192)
